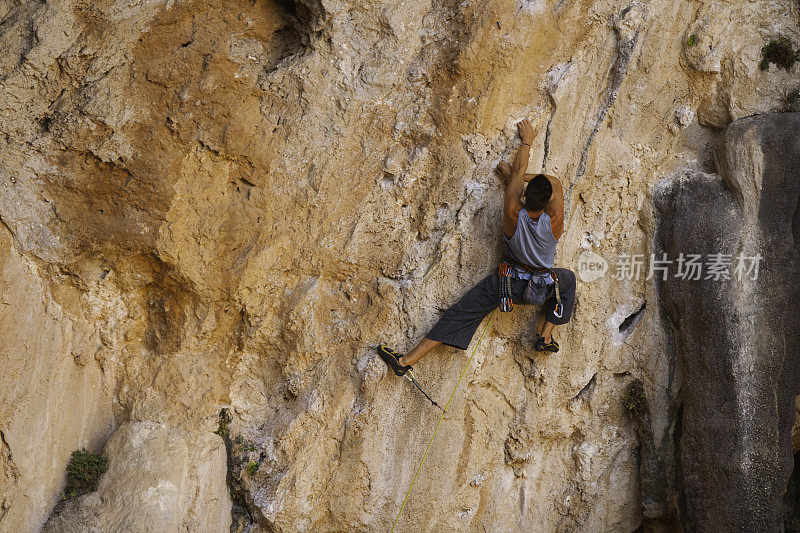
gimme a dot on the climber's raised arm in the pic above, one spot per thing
(513, 202)
(555, 207)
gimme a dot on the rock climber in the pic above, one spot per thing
(532, 226)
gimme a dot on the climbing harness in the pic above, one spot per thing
(410, 378)
(507, 271)
(436, 429)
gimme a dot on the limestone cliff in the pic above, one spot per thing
(224, 206)
(736, 341)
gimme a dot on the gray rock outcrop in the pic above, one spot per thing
(737, 338)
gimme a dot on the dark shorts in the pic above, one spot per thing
(458, 324)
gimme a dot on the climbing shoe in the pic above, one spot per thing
(542, 346)
(392, 359)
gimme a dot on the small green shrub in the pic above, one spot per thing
(243, 445)
(692, 40)
(83, 473)
(780, 52)
(224, 419)
(253, 467)
(634, 399)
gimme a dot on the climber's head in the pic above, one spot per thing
(537, 193)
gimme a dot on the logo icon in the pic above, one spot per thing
(591, 266)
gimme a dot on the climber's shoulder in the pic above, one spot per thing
(511, 217)
(555, 208)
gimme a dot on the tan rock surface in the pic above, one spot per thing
(232, 203)
(158, 479)
(55, 392)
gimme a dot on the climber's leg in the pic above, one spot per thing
(547, 330)
(420, 350)
(566, 286)
(458, 324)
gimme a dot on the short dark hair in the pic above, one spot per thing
(537, 193)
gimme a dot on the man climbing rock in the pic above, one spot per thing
(531, 227)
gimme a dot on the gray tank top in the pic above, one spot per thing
(533, 243)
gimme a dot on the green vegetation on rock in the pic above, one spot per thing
(634, 400)
(780, 52)
(83, 473)
(224, 420)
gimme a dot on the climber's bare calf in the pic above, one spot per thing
(419, 351)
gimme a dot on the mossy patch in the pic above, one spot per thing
(780, 52)
(83, 473)
(224, 419)
(635, 401)
(253, 466)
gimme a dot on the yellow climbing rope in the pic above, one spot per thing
(446, 407)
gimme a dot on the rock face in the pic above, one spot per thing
(736, 338)
(157, 478)
(226, 205)
(56, 387)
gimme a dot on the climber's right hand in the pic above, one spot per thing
(526, 131)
